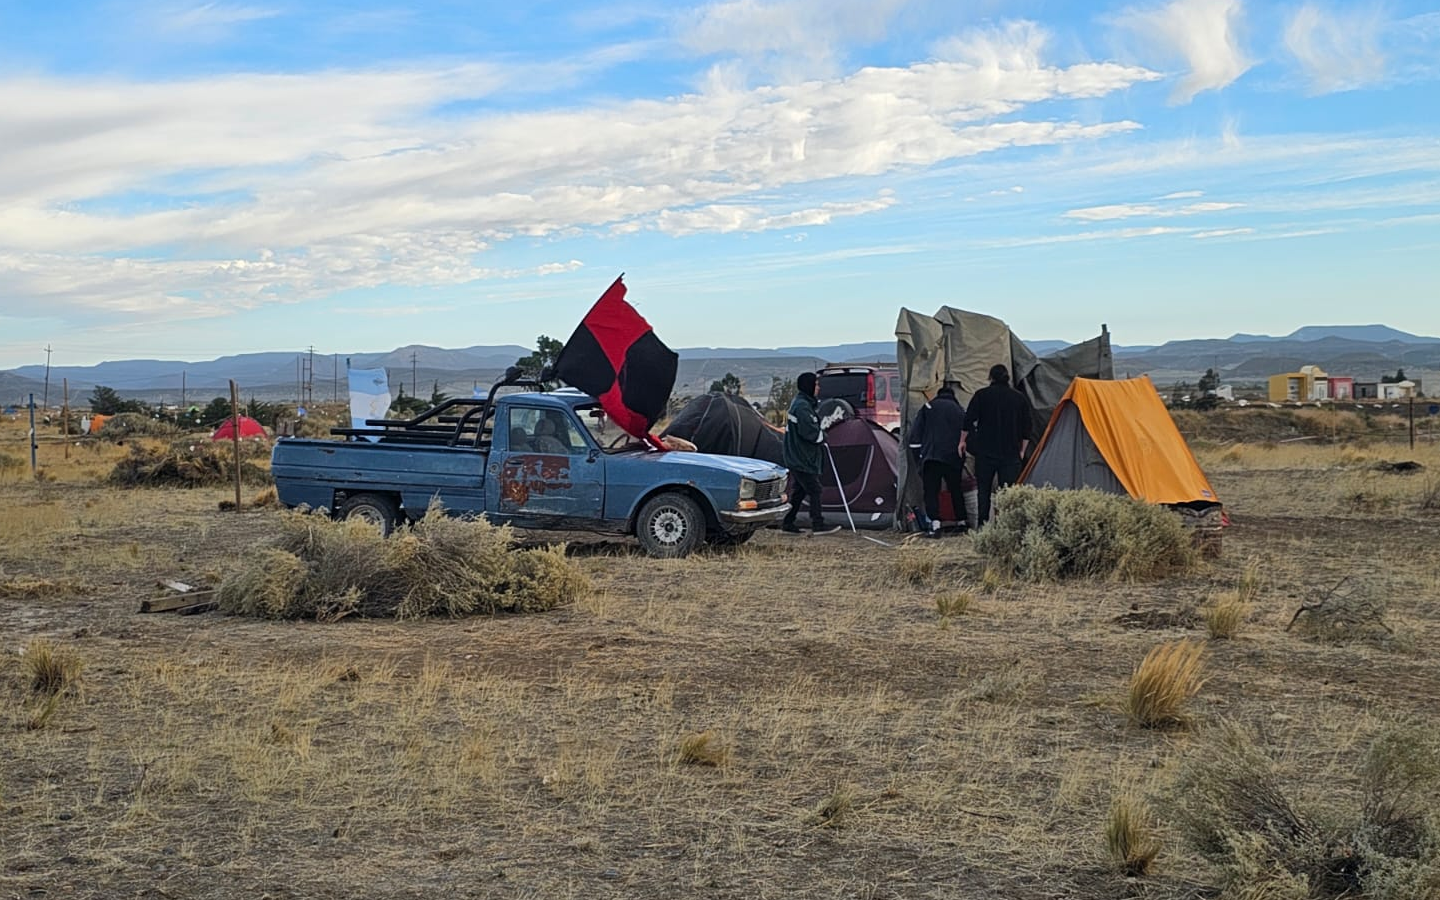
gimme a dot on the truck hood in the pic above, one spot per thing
(742, 466)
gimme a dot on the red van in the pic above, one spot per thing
(872, 390)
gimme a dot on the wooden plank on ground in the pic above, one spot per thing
(173, 603)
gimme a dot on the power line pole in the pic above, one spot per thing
(335, 379)
(310, 376)
(414, 385)
(46, 401)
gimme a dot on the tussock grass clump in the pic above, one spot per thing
(10, 463)
(1042, 534)
(953, 603)
(52, 670)
(705, 748)
(184, 464)
(124, 426)
(1233, 805)
(1131, 839)
(915, 562)
(836, 809)
(1225, 614)
(442, 566)
(1169, 675)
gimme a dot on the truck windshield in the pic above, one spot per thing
(606, 433)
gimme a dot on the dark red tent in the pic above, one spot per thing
(249, 430)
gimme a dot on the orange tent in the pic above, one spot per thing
(97, 422)
(1117, 436)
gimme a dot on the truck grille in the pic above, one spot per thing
(769, 492)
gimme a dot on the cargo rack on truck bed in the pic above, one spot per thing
(457, 422)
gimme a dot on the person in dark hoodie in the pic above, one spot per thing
(997, 434)
(935, 439)
(804, 451)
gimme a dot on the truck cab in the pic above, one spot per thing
(546, 460)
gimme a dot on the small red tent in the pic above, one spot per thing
(249, 429)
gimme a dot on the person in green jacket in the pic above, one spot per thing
(804, 453)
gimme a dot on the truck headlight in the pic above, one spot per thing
(747, 489)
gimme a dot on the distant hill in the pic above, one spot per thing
(1364, 351)
(1368, 333)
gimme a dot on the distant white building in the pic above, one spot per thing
(1398, 391)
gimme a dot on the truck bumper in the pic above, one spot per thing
(754, 518)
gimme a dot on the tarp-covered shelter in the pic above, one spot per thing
(866, 455)
(1118, 437)
(719, 423)
(958, 348)
(249, 429)
(97, 422)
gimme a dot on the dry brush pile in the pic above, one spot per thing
(441, 566)
(190, 464)
(1042, 534)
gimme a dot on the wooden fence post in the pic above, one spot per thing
(235, 436)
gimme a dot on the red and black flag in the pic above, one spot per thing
(615, 357)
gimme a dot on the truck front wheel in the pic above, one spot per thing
(376, 509)
(670, 525)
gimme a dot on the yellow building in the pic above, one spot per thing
(1307, 384)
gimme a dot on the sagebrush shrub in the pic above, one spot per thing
(1232, 802)
(1043, 534)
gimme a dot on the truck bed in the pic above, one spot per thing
(312, 472)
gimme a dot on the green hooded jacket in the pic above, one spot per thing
(803, 435)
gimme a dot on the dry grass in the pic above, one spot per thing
(1165, 680)
(1236, 804)
(916, 561)
(1225, 614)
(51, 670)
(705, 748)
(1132, 841)
(952, 604)
(190, 464)
(537, 755)
(327, 570)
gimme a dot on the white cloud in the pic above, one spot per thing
(790, 40)
(725, 219)
(204, 22)
(268, 189)
(1133, 210)
(1114, 234)
(1204, 33)
(1222, 232)
(1337, 50)
(1183, 195)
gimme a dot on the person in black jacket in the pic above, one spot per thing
(935, 439)
(997, 434)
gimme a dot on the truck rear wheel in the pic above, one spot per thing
(670, 525)
(376, 509)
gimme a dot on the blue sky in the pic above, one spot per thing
(185, 180)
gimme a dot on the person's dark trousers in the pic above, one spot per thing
(988, 470)
(932, 472)
(804, 485)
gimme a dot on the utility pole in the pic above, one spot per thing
(46, 401)
(414, 384)
(182, 392)
(310, 376)
(335, 378)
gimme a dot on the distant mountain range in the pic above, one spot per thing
(1365, 351)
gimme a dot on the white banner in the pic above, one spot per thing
(369, 395)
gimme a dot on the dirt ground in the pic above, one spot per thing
(865, 745)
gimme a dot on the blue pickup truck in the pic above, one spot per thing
(534, 460)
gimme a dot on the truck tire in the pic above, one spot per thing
(670, 525)
(377, 509)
